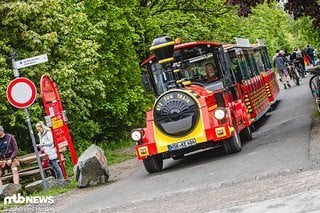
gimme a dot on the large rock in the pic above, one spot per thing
(52, 183)
(92, 168)
(9, 190)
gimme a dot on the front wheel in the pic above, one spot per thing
(153, 163)
(233, 144)
(296, 77)
(314, 85)
(246, 134)
(301, 71)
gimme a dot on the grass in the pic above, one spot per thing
(57, 191)
(119, 153)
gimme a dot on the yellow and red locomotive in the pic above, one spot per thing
(206, 97)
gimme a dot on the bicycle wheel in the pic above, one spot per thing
(296, 77)
(313, 84)
(301, 71)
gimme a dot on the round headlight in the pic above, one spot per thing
(136, 135)
(219, 113)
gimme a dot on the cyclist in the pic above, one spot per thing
(281, 63)
(297, 56)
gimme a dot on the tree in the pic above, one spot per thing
(91, 57)
(297, 8)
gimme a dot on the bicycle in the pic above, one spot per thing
(293, 72)
(299, 68)
(314, 85)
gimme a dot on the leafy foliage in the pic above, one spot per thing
(91, 58)
(95, 46)
(297, 8)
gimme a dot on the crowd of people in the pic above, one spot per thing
(299, 57)
(9, 152)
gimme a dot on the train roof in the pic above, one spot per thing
(184, 46)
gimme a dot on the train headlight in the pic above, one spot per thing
(219, 113)
(136, 135)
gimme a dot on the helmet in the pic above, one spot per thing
(296, 49)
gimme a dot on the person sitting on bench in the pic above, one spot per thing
(8, 154)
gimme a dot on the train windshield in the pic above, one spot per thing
(202, 68)
(195, 63)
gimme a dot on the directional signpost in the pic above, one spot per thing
(21, 93)
(31, 61)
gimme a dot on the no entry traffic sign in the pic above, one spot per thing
(21, 93)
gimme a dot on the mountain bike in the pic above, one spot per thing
(314, 84)
(299, 68)
(293, 73)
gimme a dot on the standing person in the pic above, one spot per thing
(274, 57)
(310, 53)
(8, 154)
(281, 63)
(46, 142)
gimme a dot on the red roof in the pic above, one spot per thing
(183, 46)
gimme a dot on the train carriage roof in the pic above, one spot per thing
(185, 46)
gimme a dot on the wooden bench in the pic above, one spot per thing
(28, 168)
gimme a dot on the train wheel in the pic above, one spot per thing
(233, 144)
(246, 134)
(153, 163)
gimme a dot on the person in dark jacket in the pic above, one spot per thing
(8, 155)
(297, 57)
(281, 63)
(310, 53)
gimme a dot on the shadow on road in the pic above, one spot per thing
(264, 119)
(196, 158)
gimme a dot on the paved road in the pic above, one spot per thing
(280, 148)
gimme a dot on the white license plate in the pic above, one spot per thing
(182, 144)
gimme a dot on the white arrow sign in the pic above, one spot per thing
(31, 61)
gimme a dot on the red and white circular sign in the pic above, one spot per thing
(21, 93)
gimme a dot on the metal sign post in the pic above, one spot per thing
(45, 183)
(16, 75)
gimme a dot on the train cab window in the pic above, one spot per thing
(201, 69)
(161, 84)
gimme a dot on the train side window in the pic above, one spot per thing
(238, 66)
(266, 58)
(259, 61)
(225, 67)
(253, 71)
(245, 69)
(236, 69)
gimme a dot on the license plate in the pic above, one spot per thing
(182, 144)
